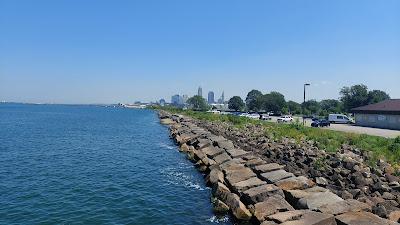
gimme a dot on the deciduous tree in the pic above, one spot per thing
(253, 100)
(198, 103)
(236, 103)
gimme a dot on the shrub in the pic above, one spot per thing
(326, 139)
(395, 146)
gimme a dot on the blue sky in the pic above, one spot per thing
(71, 51)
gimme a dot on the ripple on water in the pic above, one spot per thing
(95, 165)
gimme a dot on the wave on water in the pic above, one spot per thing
(167, 146)
(216, 219)
(177, 177)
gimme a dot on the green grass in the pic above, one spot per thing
(331, 141)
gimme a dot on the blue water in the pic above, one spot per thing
(95, 165)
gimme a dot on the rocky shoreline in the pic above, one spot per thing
(260, 181)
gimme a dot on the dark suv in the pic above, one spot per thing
(320, 123)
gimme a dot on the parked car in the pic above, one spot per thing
(214, 111)
(320, 123)
(265, 117)
(285, 119)
(314, 119)
(275, 114)
(255, 116)
(339, 118)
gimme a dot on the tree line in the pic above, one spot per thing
(350, 97)
(256, 101)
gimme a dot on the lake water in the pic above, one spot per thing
(64, 164)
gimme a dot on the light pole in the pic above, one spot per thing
(304, 100)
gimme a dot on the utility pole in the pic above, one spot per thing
(304, 100)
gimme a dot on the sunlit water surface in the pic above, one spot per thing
(95, 165)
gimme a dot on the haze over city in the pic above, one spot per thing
(103, 52)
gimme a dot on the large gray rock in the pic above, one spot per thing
(242, 186)
(221, 191)
(394, 216)
(215, 176)
(187, 137)
(238, 209)
(236, 152)
(270, 206)
(202, 143)
(317, 199)
(254, 162)
(274, 176)
(362, 218)
(215, 138)
(340, 207)
(236, 176)
(212, 151)
(199, 154)
(293, 183)
(221, 158)
(220, 206)
(294, 196)
(264, 168)
(225, 144)
(231, 166)
(302, 217)
(167, 121)
(184, 147)
(261, 193)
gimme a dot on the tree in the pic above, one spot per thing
(331, 106)
(253, 100)
(358, 95)
(273, 101)
(311, 107)
(236, 103)
(354, 96)
(376, 96)
(294, 107)
(198, 103)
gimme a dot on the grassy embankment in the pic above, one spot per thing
(329, 140)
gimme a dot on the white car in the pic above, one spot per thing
(254, 116)
(251, 116)
(285, 119)
(214, 111)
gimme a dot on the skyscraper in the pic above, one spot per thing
(175, 100)
(222, 99)
(200, 92)
(211, 97)
(185, 98)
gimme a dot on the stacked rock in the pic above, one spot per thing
(261, 192)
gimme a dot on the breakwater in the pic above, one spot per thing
(255, 191)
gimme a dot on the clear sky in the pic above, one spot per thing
(92, 51)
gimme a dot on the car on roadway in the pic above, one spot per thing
(285, 119)
(255, 116)
(320, 123)
(265, 117)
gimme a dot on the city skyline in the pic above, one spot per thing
(181, 99)
(144, 52)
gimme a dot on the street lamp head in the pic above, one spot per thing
(307, 84)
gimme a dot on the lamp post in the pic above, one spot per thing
(304, 100)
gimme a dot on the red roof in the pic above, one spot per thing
(391, 106)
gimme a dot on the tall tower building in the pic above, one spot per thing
(211, 97)
(222, 99)
(200, 92)
(185, 98)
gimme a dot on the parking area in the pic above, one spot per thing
(364, 130)
(351, 128)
